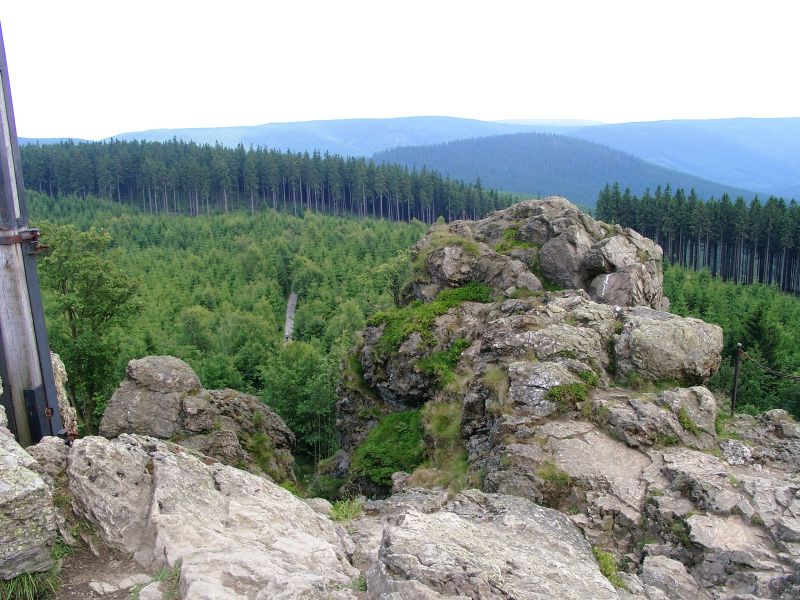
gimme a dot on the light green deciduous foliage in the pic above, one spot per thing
(90, 298)
(300, 383)
(394, 273)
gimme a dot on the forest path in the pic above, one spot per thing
(288, 326)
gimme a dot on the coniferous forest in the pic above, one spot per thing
(212, 291)
(755, 242)
(186, 178)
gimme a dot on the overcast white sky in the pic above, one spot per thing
(94, 69)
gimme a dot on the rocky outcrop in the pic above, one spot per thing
(590, 401)
(235, 535)
(27, 525)
(613, 264)
(521, 349)
(162, 397)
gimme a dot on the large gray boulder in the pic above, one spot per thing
(27, 524)
(659, 346)
(485, 546)
(162, 397)
(234, 534)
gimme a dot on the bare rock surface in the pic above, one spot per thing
(485, 546)
(27, 523)
(162, 397)
(234, 534)
(69, 416)
(660, 346)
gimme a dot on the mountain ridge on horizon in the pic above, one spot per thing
(759, 154)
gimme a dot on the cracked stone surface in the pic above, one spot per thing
(236, 535)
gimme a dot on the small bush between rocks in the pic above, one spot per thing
(567, 395)
(590, 378)
(395, 444)
(510, 241)
(345, 510)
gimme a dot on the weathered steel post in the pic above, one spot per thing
(29, 392)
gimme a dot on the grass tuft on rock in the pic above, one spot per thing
(567, 395)
(510, 242)
(443, 362)
(346, 510)
(419, 317)
(608, 566)
(441, 238)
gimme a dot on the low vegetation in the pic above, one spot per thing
(608, 566)
(556, 484)
(510, 241)
(442, 362)
(346, 510)
(395, 444)
(567, 395)
(419, 317)
(37, 586)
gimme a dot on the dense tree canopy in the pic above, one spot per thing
(760, 317)
(213, 291)
(186, 178)
(740, 241)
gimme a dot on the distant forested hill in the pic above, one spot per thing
(544, 164)
(347, 137)
(756, 154)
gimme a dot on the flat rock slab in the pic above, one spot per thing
(486, 546)
(234, 534)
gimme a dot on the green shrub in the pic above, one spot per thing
(510, 241)
(419, 317)
(443, 362)
(590, 378)
(262, 451)
(324, 486)
(395, 444)
(292, 488)
(345, 510)
(567, 395)
(608, 566)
